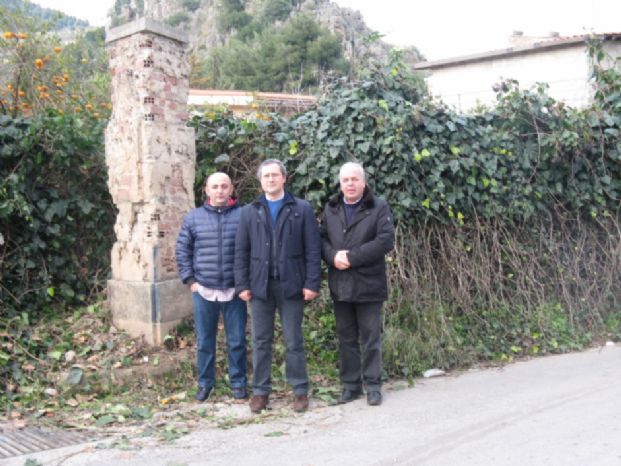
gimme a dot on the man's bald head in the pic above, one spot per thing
(218, 177)
(219, 189)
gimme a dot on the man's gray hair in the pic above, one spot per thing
(281, 165)
(355, 165)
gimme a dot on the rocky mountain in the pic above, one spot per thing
(199, 18)
(58, 20)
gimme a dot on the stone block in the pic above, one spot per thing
(149, 309)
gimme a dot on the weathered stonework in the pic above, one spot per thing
(150, 155)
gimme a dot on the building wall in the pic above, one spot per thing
(613, 51)
(467, 85)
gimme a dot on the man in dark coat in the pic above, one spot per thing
(357, 231)
(205, 250)
(277, 266)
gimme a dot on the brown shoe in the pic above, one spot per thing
(300, 403)
(258, 403)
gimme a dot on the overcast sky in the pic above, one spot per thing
(443, 28)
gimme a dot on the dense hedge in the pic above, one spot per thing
(527, 156)
(56, 215)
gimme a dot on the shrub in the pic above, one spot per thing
(56, 215)
(178, 18)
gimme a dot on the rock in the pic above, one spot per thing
(70, 356)
(610, 343)
(51, 392)
(75, 376)
(433, 373)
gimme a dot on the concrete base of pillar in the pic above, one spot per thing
(149, 309)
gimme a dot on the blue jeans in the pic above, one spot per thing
(206, 316)
(291, 313)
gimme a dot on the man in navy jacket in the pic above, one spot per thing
(277, 266)
(205, 254)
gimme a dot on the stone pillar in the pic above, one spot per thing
(151, 156)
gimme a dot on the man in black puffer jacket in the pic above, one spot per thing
(357, 231)
(205, 254)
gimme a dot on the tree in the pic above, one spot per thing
(276, 10)
(292, 58)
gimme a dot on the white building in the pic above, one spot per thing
(561, 62)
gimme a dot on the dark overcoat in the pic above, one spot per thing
(298, 248)
(369, 237)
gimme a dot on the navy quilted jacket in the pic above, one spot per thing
(205, 247)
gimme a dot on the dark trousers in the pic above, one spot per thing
(291, 315)
(358, 327)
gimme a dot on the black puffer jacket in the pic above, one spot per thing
(369, 237)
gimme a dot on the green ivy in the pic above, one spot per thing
(527, 156)
(56, 215)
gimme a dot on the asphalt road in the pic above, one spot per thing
(556, 410)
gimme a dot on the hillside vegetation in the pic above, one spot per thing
(268, 45)
(57, 19)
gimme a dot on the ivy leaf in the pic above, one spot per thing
(142, 412)
(121, 410)
(222, 158)
(364, 147)
(293, 147)
(105, 420)
(454, 165)
(85, 205)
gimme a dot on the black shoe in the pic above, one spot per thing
(239, 393)
(349, 395)
(374, 398)
(203, 393)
